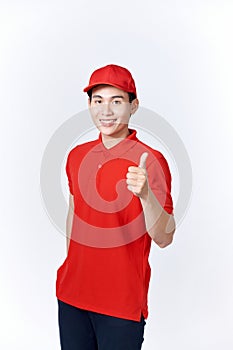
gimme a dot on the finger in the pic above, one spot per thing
(142, 162)
(132, 182)
(135, 176)
(136, 170)
(133, 189)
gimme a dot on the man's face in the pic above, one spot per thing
(110, 110)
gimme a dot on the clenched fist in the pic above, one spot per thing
(136, 178)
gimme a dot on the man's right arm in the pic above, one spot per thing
(69, 221)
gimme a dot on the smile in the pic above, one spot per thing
(107, 120)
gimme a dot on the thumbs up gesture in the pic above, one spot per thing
(136, 178)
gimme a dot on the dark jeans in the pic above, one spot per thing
(87, 330)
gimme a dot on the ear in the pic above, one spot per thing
(134, 106)
(89, 102)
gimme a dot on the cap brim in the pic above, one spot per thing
(89, 87)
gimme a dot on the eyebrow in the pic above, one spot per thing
(112, 97)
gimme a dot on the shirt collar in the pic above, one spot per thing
(120, 148)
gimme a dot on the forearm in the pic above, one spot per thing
(69, 222)
(159, 224)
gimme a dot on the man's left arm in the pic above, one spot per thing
(160, 224)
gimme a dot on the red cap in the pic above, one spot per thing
(113, 75)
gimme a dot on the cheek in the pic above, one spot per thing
(125, 117)
(94, 113)
(124, 114)
(94, 118)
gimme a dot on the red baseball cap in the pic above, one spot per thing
(113, 75)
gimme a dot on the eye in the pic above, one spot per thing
(97, 101)
(116, 102)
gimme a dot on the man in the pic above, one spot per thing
(120, 200)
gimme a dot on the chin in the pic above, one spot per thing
(108, 130)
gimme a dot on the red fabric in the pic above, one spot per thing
(114, 75)
(107, 269)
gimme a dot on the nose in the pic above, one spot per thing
(106, 109)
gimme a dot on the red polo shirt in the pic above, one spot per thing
(107, 269)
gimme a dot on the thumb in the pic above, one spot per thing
(142, 162)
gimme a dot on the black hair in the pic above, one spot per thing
(132, 96)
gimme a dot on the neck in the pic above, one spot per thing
(111, 141)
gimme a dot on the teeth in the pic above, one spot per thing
(108, 120)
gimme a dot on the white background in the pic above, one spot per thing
(180, 54)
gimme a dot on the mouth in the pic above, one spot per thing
(107, 122)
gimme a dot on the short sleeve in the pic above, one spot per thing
(69, 173)
(159, 177)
